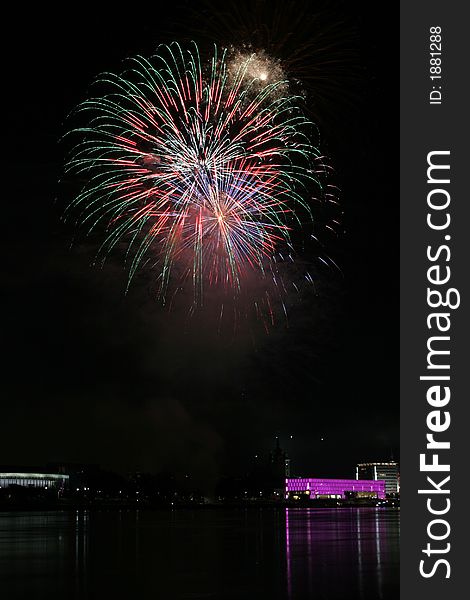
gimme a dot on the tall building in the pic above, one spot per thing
(287, 467)
(387, 471)
(279, 463)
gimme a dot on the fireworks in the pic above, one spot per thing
(315, 44)
(200, 168)
(257, 66)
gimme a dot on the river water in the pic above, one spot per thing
(184, 554)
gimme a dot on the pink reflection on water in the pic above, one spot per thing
(353, 551)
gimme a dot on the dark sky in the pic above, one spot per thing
(93, 375)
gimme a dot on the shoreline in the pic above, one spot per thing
(148, 506)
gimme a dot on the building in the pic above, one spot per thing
(279, 463)
(32, 479)
(287, 467)
(388, 471)
(299, 487)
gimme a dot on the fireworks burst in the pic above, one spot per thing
(257, 66)
(199, 168)
(314, 44)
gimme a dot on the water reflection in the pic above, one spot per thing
(342, 553)
(81, 552)
(223, 554)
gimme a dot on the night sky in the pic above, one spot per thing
(94, 375)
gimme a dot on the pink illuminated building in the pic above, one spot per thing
(334, 488)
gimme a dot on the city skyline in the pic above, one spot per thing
(95, 375)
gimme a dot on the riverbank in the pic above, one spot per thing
(110, 504)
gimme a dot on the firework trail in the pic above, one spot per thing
(197, 168)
